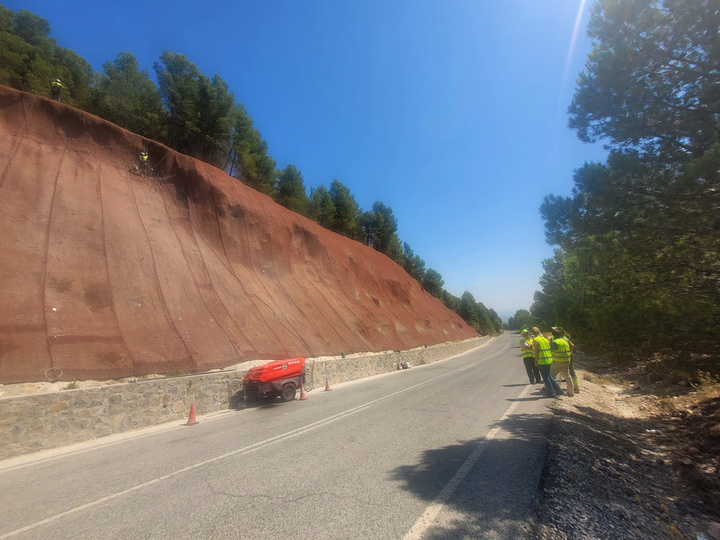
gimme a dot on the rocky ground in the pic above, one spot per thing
(632, 458)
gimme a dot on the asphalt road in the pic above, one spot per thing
(449, 450)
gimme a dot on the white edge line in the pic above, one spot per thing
(246, 450)
(426, 520)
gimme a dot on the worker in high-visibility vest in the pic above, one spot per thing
(561, 353)
(543, 361)
(573, 375)
(56, 88)
(528, 356)
(144, 165)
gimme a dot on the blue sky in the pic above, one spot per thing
(453, 113)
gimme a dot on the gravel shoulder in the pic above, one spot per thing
(629, 460)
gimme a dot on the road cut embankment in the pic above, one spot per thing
(110, 273)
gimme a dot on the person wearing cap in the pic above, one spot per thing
(528, 356)
(144, 163)
(573, 375)
(543, 361)
(56, 89)
(561, 353)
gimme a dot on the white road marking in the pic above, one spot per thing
(243, 451)
(426, 520)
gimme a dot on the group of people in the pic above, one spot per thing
(546, 358)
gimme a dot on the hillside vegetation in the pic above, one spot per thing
(636, 272)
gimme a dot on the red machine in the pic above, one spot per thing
(280, 378)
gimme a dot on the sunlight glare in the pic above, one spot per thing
(573, 40)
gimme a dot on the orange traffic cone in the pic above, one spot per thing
(302, 392)
(191, 419)
(327, 385)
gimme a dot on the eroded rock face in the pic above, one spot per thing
(108, 273)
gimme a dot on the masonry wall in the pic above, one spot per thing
(43, 421)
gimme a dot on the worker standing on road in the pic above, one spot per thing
(543, 361)
(561, 354)
(56, 88)
(528, 356)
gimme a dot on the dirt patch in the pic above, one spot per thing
(632, 461)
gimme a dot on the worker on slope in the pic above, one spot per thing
(56, 88)
(561, 351)
(144, 165)
(543, 361)
(528, 356)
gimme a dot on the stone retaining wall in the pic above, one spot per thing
(42, 421)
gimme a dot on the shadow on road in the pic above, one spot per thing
(498, 496)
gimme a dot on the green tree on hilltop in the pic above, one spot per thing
(345, 220)
(248, 158)
(127, 97)
(178, 84)
(468, 310)
(385, 234)
(495, 319)
(413, 264)
(33, 29)
(215, 119)
(380, 231)
(290, 190)
(200, 109)
(433, 282)
(322, 208)
(368, 224)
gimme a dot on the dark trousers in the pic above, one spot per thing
(551, 385)
(532, 370)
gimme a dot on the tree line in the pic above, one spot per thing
(199, 116)
(636, 269)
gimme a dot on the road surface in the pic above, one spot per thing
(449, 450)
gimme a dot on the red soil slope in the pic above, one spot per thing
(107, 274)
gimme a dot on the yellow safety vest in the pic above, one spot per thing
(544, 354)
(562, 354)
(527, 353)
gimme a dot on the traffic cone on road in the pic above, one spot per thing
(191, 419)
(327, 385)
(302, 392)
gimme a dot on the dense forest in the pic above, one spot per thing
(199, 116)
(636, 270)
